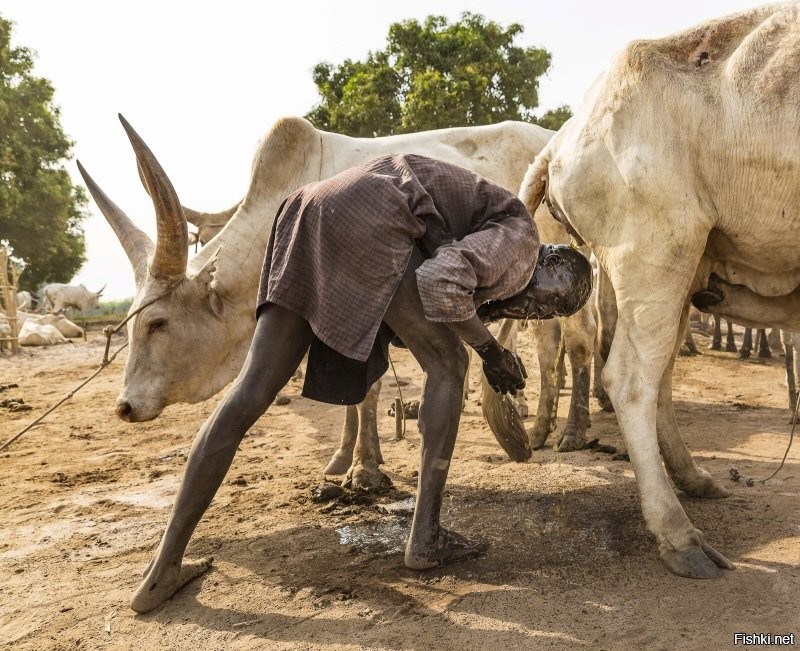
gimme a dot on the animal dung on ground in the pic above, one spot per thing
(410, 409)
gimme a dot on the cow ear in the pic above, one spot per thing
(207, 277)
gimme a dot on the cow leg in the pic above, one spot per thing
(730, 342)
(795, 368)
(683, 470)
(442, 357)
(280, 340)
(716, 339)
(774, 339)
(747, 343)
(689, 348)
(548, 348)
(606, 317)
(791, 377)
(507, 336)
(651, 291)
(342, 459)
(360, 435)
(580, 331)
(365, 473)
(763, 344)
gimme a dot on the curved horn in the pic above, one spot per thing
(172, 246)
(100, 291)
(203, 220)
(136, 243)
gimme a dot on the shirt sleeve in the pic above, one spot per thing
(492, 263)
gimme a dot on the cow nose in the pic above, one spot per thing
(124, 411)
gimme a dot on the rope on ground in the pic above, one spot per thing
(108, 331)
(788, 447)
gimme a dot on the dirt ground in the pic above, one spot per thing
(84, 498)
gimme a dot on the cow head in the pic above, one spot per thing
(181, 348)
(92, 298)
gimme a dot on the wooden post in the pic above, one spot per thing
(8, 300)
(398, 419)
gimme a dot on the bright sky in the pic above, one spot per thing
(201, 81)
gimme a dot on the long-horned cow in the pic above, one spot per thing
(682, 171)
(209, 300)
(58, 296)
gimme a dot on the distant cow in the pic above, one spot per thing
(59, 321)
(24, 300)
(57, 297)
(36, 334)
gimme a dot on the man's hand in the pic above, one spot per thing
(505, 372)
(502, 368)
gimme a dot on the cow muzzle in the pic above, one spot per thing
(131, 413)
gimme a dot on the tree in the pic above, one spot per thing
(554, 118)
(434, 75)
(40, 209)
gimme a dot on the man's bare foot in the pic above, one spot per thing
(158, 586)
(449, 547)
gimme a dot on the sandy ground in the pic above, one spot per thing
(84, 498)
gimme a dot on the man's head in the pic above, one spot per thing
(560, 285)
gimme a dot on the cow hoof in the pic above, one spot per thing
(703, 486)
(367, 478)
(701, 562)
(537, 437)
(449, 547)
(522, 409)
(571, 440)
(339, 463)
(154, 590)
(604, 400)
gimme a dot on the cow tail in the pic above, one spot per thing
(534, 185)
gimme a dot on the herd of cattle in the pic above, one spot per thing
(52, 327)
(680, 173)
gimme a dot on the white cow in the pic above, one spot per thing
(681, 170)
(32, 333)
(57, 296)
(209, 304)
(61, 323)
(24, 300)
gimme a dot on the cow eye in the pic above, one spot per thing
(157, 325)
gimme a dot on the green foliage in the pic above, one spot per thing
(40, 210)
(120, 306)
(554, 118)
(433, 75)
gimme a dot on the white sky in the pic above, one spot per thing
(201, 81)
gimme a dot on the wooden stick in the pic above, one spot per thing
(398, 419)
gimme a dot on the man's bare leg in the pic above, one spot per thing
(281, 339)
(444, 360)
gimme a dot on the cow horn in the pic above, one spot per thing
(136, 243)
(172, 245)
(100, 291)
